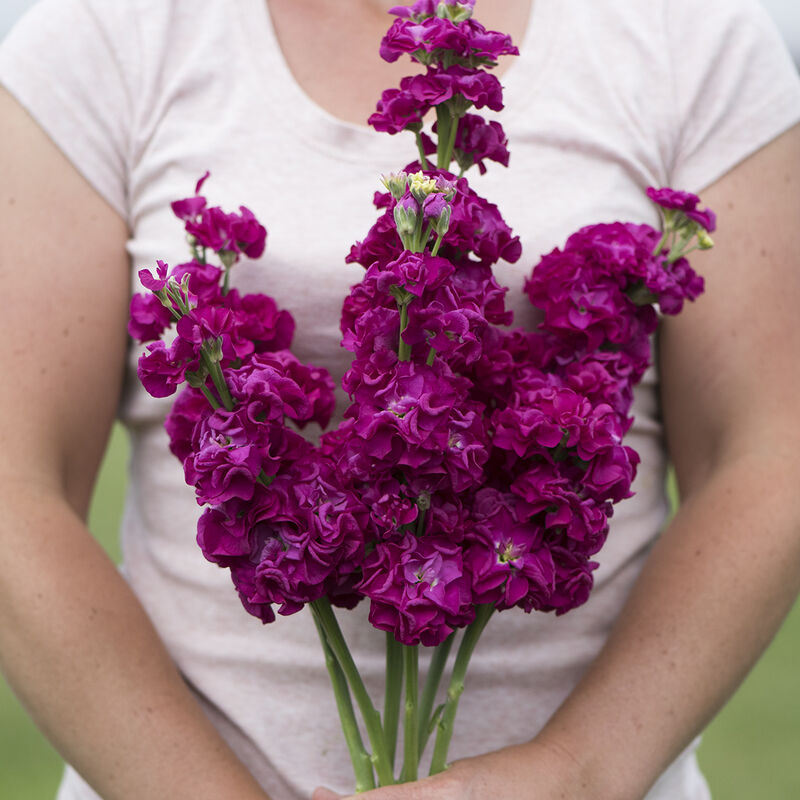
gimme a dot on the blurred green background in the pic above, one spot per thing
(751, 751)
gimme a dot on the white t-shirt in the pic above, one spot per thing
(607, 97)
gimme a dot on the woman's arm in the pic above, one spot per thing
(722, 577)
(75, 644)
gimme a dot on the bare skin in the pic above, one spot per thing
(74, 642)
(79, 650)
(328, 59)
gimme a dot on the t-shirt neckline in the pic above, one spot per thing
(321, 129)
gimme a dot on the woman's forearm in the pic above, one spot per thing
(714, 591)
(83, 657)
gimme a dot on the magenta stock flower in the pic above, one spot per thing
(477, 140)
(188, 410)
(292, 543)
(507, 557)
(418, 589)
(149, 317)
(685, 202)
(226, 457)
(162, 369)
(239, 233)
(467, 40)
(398, 109)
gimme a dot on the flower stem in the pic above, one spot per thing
(420, 527)
(411, 727)
(362, 765)
(661, 243)
(434, 677)
(443, 123)
(215, 371)
(423, 159)
(210, 397)
(437, 244)
(403, 348)
(445, 728)
(422, 240)
(394, 687)
(451, 141)
(372, 719)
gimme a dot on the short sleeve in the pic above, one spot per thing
(65, 64)
(734, 85)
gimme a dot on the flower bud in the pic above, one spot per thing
(396, 183)
(437, 211)
(447, 188)
(421, 186)
(197, 380)
(406, 213)
(704, 241)
(454, 10)
(228, 257)
(213, 349)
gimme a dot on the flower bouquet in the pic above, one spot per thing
(476, 467)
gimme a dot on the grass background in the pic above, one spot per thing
(752, 749)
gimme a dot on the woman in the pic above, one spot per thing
(101, 128)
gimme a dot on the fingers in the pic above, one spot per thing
(322, 793)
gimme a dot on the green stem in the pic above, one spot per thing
(423, 159)
(443, 123)
(445, 728)
(451, 141)
(362, 765)
(422, 240)
(394, 687)
(437, 244)
(432, 681)
(411, 728)
(679, 249)
(215, 371)
(431, 357)
(372, 719)
(661, 243)
(403, 348)
(226, 282)
(420, 529)
(210, 397)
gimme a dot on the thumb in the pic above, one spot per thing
(323, 793)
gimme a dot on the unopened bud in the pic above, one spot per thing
(704, 241)
(421, 185)
(197, 379)
(396, 183)
(213, 348)
(447, 188)
(228, 257)
(437, 211)
(406, 213)
(454, 10)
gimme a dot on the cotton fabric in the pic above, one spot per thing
(607, 98)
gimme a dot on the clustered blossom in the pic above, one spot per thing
(405, 107)
(277, 513)
(475, 464)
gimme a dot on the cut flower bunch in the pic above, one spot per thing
(476, 468)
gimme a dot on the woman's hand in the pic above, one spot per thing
(523, 772)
